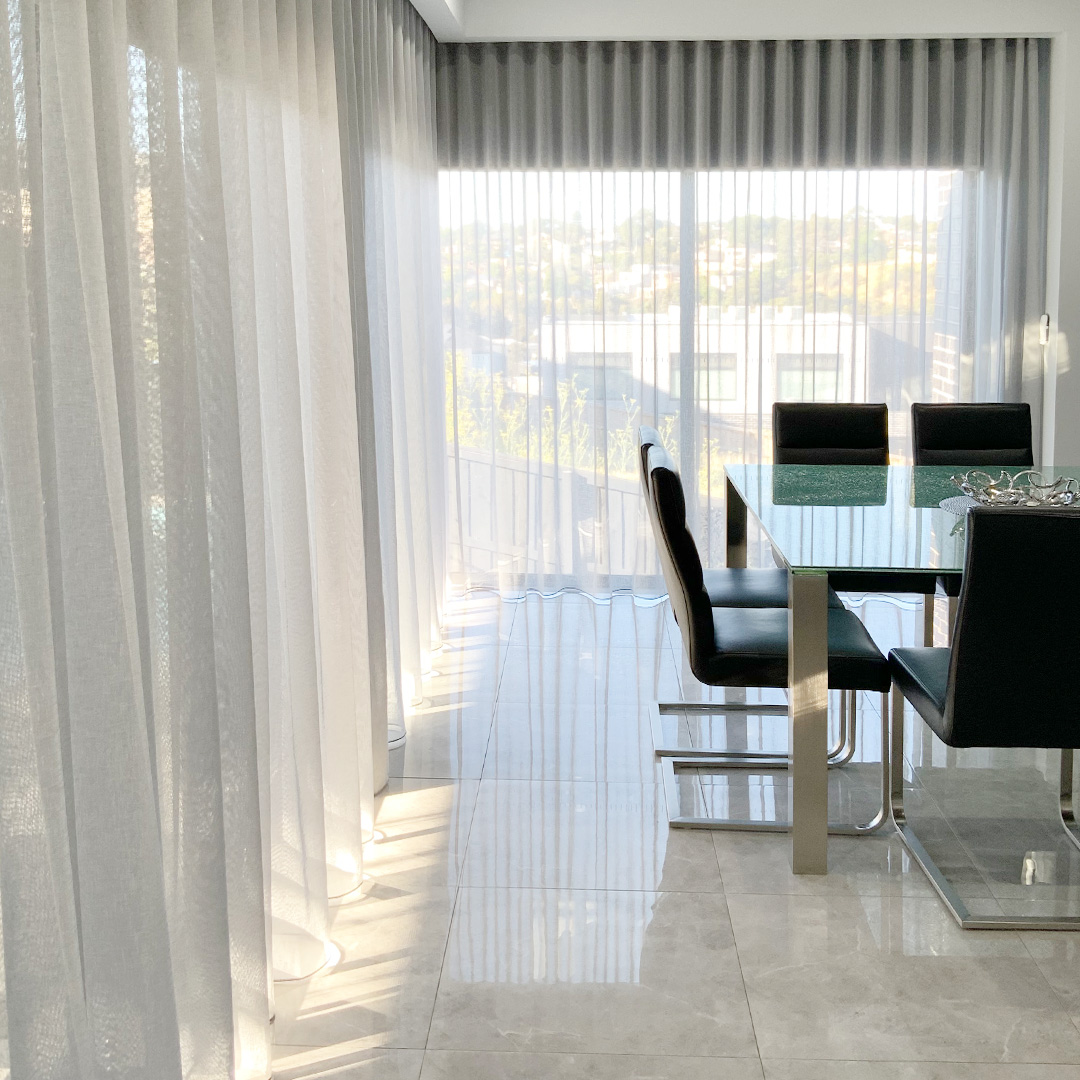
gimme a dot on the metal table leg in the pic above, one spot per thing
(736, 527)
(808, 695)
(928, 622)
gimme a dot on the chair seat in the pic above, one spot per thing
(751, 649)
(739, 588)
(922, 676)
(876, 581)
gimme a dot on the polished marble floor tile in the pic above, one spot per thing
(893, 979)
(911, 1070)
(382, 991)
(609, 972)
(478, 616)
(571, 741)
(531, 914)
(421, 831)
(445, 739)
(1058, 957)
(626, 677)
(493, 1065)
(460, 682)
(858, 865)
(551, 834)
(341, 1063)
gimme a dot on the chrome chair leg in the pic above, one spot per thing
(839, 754)
(844, 750)
(672, 764)
(896, 757)
(941, 884)
(1065, 797)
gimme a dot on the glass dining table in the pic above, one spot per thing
(822, 518)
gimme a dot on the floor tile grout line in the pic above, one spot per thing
(738, 956)
(465, 850)
(1065, 1006)
(601, 1054)
(601, 889)
(442, 965)
(742, 978)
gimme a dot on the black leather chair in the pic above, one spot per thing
(747, 647)
(742, 587)
(972, 435)
(1007, 680)
(982, 436)
(826, 433)
(823, 433)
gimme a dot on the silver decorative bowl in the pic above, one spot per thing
(1026, 488)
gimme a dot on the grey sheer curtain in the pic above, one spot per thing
(682, 233)
(195, 681)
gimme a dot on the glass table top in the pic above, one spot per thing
(859, 517)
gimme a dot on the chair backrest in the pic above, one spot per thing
(1017, 637)
(823, 433)
(990, 434)
(679, 557)
(647, 438)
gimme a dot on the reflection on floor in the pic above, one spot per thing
(532, 915)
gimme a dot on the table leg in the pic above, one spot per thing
(808, 695)
(736, 527)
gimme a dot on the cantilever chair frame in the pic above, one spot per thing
(963, 718)
(839, 754)
(690, 760)
(941, 884)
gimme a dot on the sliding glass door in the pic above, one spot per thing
(581, 304)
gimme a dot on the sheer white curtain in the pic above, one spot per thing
(186, 675)
(680, 234)
(386, 62)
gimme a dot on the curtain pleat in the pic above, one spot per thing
(682, 233)
(386, 58)
(194, 608)
(652, 104)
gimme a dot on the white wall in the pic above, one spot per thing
(576, 20)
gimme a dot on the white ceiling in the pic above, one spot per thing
(576, 20)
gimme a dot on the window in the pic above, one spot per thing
(568, 296)
(605, 376)
(717, 378)
(808, 378)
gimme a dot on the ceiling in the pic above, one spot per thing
(525, 20)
